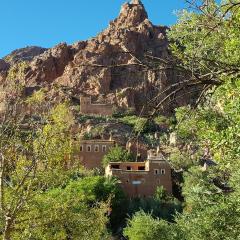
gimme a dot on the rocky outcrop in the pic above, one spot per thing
(24, 54)
(4, 67)
(46, 67)
(110, 65)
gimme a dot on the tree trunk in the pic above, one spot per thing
(2, 163)
(7, 228)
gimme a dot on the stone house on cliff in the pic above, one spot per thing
(141, 179)
(87, 107)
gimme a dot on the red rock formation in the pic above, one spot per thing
(109, 63)
(24, 54)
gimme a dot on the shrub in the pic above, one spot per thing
(117, 154)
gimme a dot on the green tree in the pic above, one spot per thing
(205, 43)
(117, 154)
(144, 227)
(63, 213)
(32, 161)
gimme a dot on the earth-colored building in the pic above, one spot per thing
(141, 179)
(87, 107)
(91, 152)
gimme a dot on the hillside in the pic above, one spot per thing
(120, 65)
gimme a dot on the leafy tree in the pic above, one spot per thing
(183, 159)
(100, 189)
(144, 227)
(117, 154)
(30, 162)
(62, 213)
(161, 194)
(205, 43)
(139, 124)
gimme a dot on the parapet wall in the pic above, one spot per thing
(86, 107)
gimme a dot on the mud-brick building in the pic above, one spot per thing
(141, 179)
(91, 152)
(87, 107)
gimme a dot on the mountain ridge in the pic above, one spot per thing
(109, 66)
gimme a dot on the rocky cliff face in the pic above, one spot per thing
(24, 54)
(109, 66)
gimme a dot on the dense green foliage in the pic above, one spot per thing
(45, 197)
(206, 43)
(144, 227)
(117, 154)
(139, 124)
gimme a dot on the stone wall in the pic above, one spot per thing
(87, 107)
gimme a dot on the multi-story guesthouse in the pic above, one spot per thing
(87, 107)
(91, 152)
(141, 179)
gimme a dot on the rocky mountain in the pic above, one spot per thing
(24, 54)
(109, 67)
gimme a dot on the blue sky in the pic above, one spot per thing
(47, 22)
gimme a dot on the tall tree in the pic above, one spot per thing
(205, 43)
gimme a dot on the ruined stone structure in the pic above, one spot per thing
(91, 152)
(87, 107)
(141, 179)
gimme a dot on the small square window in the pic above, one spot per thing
(104, 148)
(88, 148)
(156, 171)
(115, 166)
(81, 148)
(129, 168)
(163, 171)
(96, 148)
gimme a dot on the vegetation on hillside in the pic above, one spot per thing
(45, 195)
(117, 154)
(206, 44)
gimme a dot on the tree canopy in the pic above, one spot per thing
(205, 44)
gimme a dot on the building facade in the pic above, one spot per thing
(87, 107)
(91, 152)
(141, 179)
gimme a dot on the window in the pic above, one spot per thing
(96, 148)
(141, 168)
(88, 148)
(104, 148)
(81, 148)
(115, 166)
(163, 171)
(129, 168)
(156, 171)
(136, 182)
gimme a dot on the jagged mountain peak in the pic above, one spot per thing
(87, 68)
(137, 2)
(132, 13)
